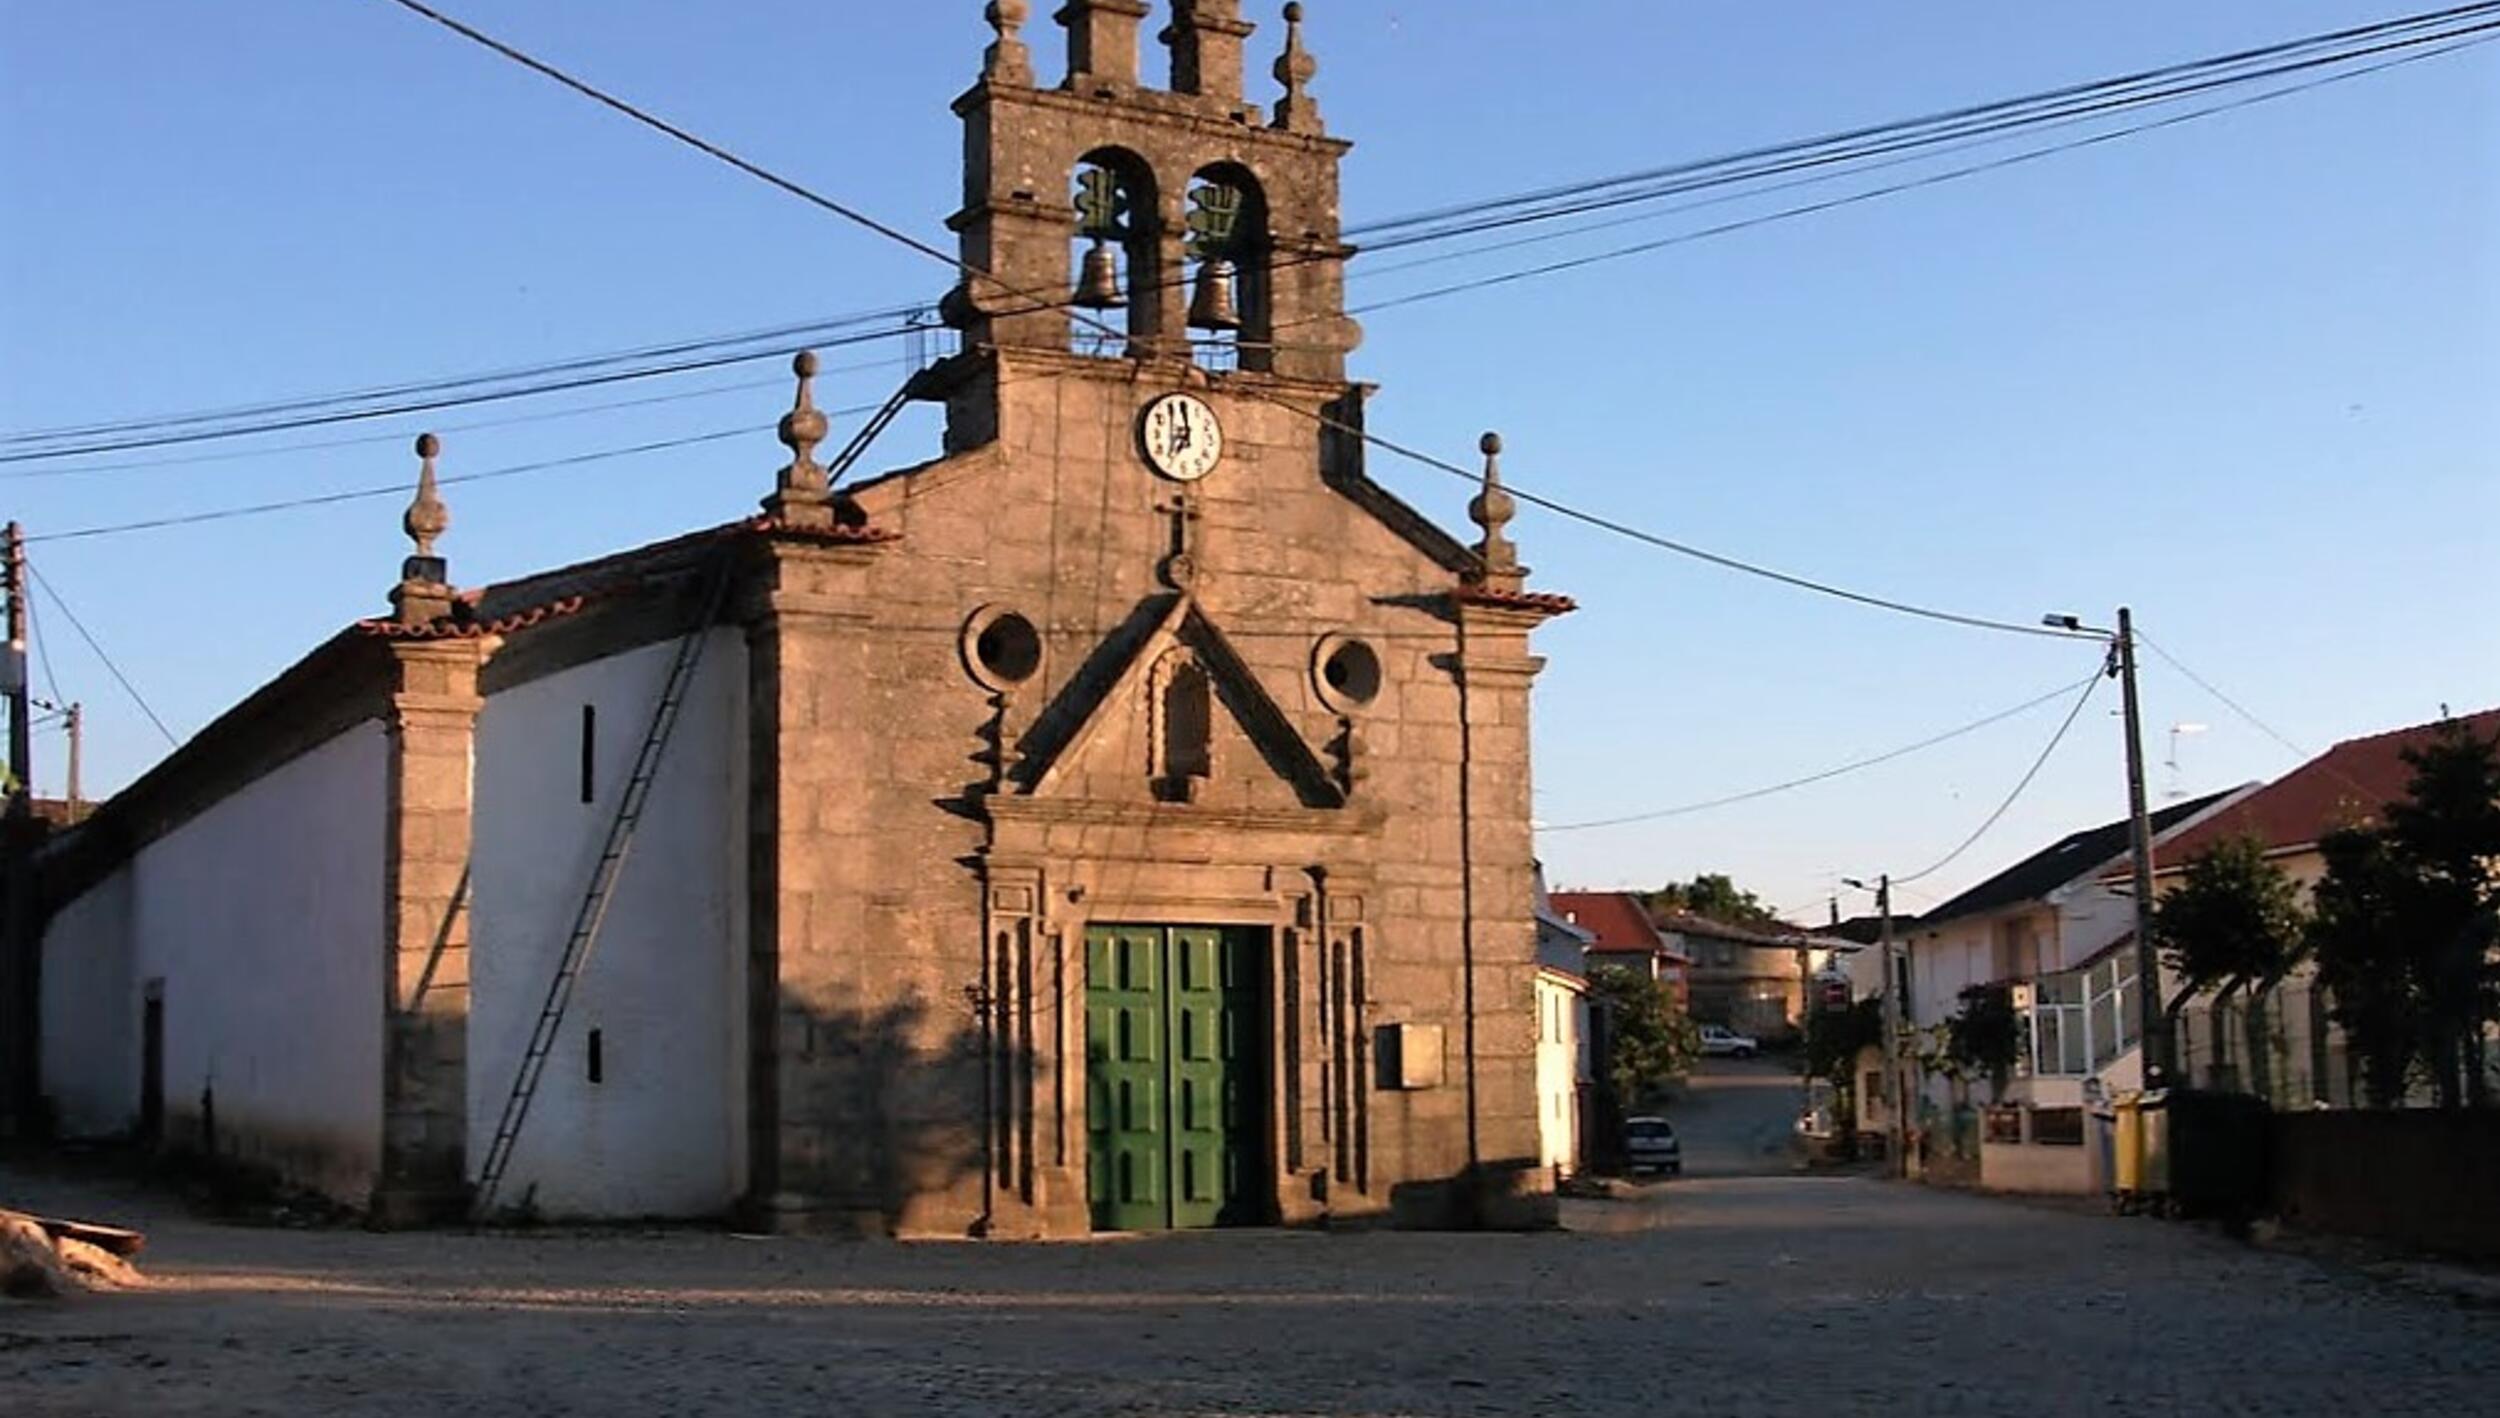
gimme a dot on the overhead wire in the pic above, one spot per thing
(1825, 776)
(101, 655)
(776, 337)
(958, 263)
(1888, 190)
(327, 499)
(2020, 787)
(2054, 108)
(361, 440)
(1946, 119)
(2226, 700)
(321, 420)
(43, 653)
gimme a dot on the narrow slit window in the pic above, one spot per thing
(597, 1058)
(590, 752)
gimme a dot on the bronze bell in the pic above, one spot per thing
(1098, 284)
(1213, 306)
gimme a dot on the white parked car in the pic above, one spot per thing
(1719, 1041)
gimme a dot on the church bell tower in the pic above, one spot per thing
(1139, 233)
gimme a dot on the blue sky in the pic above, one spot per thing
(2238, 373)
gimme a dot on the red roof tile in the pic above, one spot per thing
(454, 628)
(1541, 601)
(2348, 784)
(1614, 917)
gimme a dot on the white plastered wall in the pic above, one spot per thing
(662, 1133)
(262, 919)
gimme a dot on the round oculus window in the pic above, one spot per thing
(1348, 673)
(1002, 648)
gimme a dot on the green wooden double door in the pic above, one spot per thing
(1173, 1096)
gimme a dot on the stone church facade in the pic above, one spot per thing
(1119, 822)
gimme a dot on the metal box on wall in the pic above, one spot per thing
(1409, 1055)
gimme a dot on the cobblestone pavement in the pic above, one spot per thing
(1722, 1297)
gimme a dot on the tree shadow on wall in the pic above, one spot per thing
(893, 1119)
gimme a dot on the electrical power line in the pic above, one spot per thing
(776, 337)
(413, 406)
(362, 440)
(1827, 775)
(115, 670)
(976, 274)
(2226, 700)
(2054, 108)
(327, 499)
(1948, 121)
(1888, 190)
(2019, 788)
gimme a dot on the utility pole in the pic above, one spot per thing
(19, 990)
(2154, 1021)
(77, 727)
(1896, 1009)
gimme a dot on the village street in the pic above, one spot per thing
(1725, 1296)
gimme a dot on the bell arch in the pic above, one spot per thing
(1116, 253)
(1229, 254)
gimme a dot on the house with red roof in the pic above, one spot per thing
(2349, 785)
(1622, 935)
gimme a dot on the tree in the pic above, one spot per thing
(2361, 961)
(2446, 833)
(1713, 896)
(2234, 922)
(1986, 1036)
(1650, 1039)
(2408, 916)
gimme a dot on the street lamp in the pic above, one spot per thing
(2154, 1030)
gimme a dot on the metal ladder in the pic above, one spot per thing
(594, 908)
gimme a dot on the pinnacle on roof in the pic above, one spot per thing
(1297, 111)
(423, 595)
(801, 497)
(1010, 59)
(1492, 509)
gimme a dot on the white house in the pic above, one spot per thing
(1565, 1072)
(2059, 937)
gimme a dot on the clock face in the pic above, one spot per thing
(1181, 437)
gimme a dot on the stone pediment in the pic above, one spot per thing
(1178, 718)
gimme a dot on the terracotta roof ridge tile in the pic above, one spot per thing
(1547, 601)
(452, 628)
(2467, 719)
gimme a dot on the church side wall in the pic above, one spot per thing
(91, 1011)
(662, 1132)
(262, 919)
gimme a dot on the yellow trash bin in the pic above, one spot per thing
(2127, 1170)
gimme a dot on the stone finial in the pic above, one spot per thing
(423, 595)
(801, 495)
(1297, 111)
(1009, 60)
(1492, 510)
(427, 516)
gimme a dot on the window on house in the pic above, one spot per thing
(2110, 995)
(590, 752)
(2057, 1127)
(2061, 1046)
